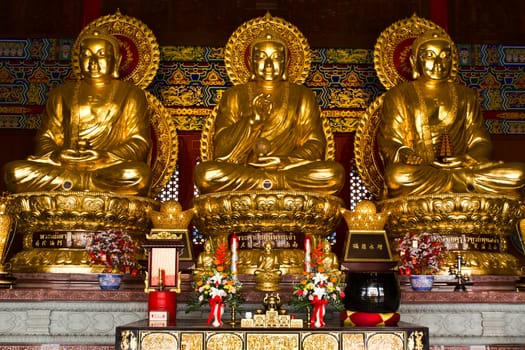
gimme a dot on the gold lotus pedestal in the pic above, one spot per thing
(54, 226)
(284, 218)
(478, 226)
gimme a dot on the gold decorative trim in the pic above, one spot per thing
(367, 160)
(139, 47)
(207, 135)
(393, 48)
(167, 145)
(237, 48)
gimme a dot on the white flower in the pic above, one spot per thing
(319, 292)
(319, 278)
(217, 292)
(216, 279)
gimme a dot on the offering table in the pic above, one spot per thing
(193, 335)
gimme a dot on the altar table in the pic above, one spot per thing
(193, 335)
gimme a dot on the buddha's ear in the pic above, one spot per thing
(118, 59)
(413, 64)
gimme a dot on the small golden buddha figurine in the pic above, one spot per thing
(268, 132)
(268, 275)
(96, 133)
(418, 115)
(329, 260)
(204, 260)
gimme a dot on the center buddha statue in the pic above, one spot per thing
(268, 132)
(268, 171)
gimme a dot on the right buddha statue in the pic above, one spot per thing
(268, 132)
(432, 138)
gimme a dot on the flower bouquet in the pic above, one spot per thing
(318, 288)
(216, 286)
(421, 254)
(115, 249)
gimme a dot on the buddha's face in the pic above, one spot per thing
(435, 59)
(268, 60)
(96, 58)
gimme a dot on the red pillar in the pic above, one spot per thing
(439, 13)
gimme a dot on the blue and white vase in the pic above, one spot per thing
(109, 280)
(421, 283)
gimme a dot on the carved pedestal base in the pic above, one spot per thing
(284, 218)
(54, 226)
(475, 225)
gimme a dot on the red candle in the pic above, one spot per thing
(234, 246)
(307, 254)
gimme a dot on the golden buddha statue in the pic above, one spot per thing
(329, 260)
(432, 138)
(204, 261)
(433, 171)
(96, 133)
(94, 168)
(268, 132)
(268, 275)
(268, 155)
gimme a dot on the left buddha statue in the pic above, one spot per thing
(95, 135)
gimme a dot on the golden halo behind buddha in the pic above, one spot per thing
(237, 50)
(394, 46)
(138, 47)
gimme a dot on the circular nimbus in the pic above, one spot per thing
(237, 50)
(138, 47)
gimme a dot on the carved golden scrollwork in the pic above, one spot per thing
(457, 213)
(479, 217)
(164, 159)
(367, 159)
(266, 211)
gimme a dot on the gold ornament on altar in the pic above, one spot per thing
(364, 217)
(171, 216)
